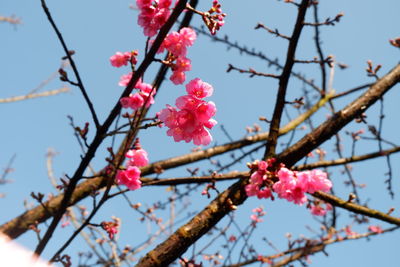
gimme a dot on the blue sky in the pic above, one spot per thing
(30, 53)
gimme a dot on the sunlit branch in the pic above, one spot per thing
(331, 163)
(312, 247)
(272, 139)
(34, 95)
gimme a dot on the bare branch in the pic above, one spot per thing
(34, 95)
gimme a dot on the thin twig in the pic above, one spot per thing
(72, 62)
(35, 95)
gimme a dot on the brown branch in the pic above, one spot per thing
(35, 95)
(252, 72)
(283, 82)
(101, 132)
(253, 53)
(331, 163)
(328, 60)
(177, 243)
(317, 40)
(11, 20)
(356, 208)
(312, 247)
(333, 125)
(274, 32)
(327, 22)
(202, 222)
(72, 62)
(195, 179)
(352, 90)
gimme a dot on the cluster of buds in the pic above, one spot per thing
(111, 227)
(213, 18)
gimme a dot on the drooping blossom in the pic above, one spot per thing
(122, 59)
(137, 157)
(144, 96)
(112, 227)
(192, 115)
(257, 214)
(125, 79)
(317, 209)
(257, 186)
(153, 15)
(176, 43)
(375, 229)
(129, 177)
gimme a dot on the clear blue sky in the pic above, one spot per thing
(30, 53)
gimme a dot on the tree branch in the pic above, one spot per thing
(283, 82)
(30, 96)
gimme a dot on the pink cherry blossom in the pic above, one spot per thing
(199, 89)
(176, 43)
(137, 157)
(264, 193)
(292, 185)
(137, 100)
(318, 210)
(375, 229)
(120, 59)
(153, 15)
(178, 77)
(125, 79)
(252, 189)
(257, 214)
(129, 177)
(315, 180)
(188, 36)
(111, 228)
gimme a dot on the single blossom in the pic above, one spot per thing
(137, 157)
(375, 229)
(129, 177)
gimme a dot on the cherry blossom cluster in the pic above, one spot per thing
(176, 43)
(130, 177)
(291, 185)
(192, 115)
(153, 15)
